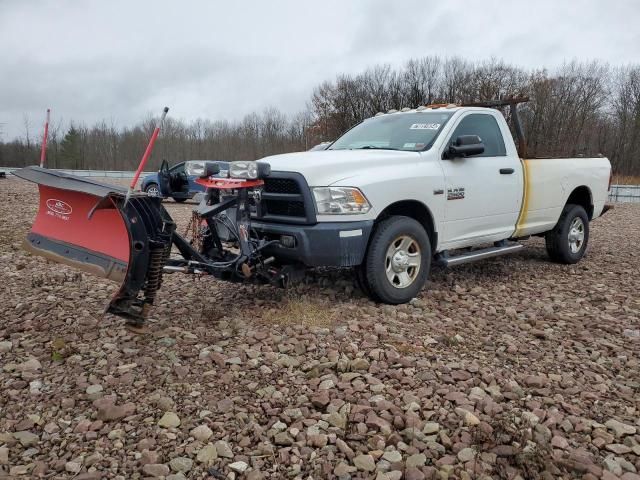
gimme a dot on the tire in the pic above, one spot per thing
(567, 242)
(179, 200)
(361, 281)
(392, 277)
(151, 188)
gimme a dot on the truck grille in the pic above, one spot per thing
(286, 198)
(281, 185)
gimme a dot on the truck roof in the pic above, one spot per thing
(430, 108)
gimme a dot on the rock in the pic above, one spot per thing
(169, 420)
(223, 449)
(338, 420)
(26, 439)
(470, 419)
(342, 470)
(110, 412)
(392, 456)
(359, 364)
(73, 467)
(413, 473)
(612, 465)
(156, 469)
(536, 381)
(416, 460)
(618, 448)
(320, 399)
(207, 454)
(430, 428)
(94, 390)
(317, 441)
(181, 464)
(201, 433)
(559, 442)
(4, 456)
(365, 463)
(5, 346)
(466, 454)
(18, 470)
(283, 438)
(31, 365)
(176, 476)
(326, 384)
(620, 429)
(239, 467)
(286, 361)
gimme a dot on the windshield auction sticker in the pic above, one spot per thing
(425, 126)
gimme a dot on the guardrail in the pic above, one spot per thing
(625, 193)
(86, 173)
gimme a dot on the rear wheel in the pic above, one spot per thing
(153, 190)
(179, 199)
(567, 242)
(398, 260)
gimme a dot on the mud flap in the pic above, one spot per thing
(86, 225)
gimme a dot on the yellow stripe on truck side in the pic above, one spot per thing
(524, 208)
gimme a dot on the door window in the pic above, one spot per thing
(486, 127)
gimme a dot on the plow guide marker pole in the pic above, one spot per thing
(43, 149)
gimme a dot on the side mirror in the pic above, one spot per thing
(210, 168)
(465, 146)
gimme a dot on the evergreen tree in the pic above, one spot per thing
(70, 154)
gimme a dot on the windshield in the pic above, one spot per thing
(401, 131)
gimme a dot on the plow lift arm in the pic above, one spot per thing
(128, 237)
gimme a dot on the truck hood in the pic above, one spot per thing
(326, 167)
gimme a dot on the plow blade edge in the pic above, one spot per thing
(87, 225)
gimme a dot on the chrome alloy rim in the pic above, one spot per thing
(576, 235)
(153, 192)
(402, 262)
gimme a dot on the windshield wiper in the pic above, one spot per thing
(374, 147)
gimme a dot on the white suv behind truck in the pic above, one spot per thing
(405, 188)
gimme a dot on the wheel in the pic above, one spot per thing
(398, 260)
(567, 242)
(179, 200)
(153, 190)
(361, 281)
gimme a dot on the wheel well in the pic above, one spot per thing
(582, 196)
(416, 210)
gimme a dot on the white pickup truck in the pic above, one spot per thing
(407, 187)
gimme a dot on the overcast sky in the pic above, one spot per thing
(121, 59)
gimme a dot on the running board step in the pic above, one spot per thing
(445, 260)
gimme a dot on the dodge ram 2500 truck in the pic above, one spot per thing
(442, 183)
(405, 187)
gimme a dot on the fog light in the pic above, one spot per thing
(288, 241)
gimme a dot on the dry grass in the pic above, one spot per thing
(301, 311)
(626, 180)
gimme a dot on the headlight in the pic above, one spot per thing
(249, 170)
(340, 201)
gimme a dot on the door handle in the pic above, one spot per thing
(506, 171)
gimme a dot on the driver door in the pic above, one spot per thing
(483, 192)
(164, 179)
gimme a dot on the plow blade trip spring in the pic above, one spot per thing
(89, 226)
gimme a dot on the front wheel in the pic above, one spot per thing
(567, 242)
(398, 260)
(153, 190)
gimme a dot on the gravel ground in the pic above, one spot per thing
(510, 368)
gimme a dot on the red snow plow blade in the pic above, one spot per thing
(89, 226)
